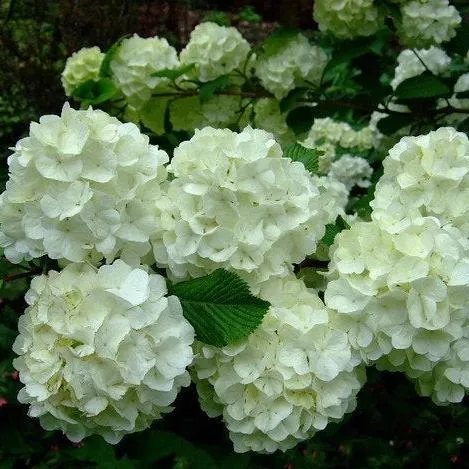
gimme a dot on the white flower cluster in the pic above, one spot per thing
(426, 175)
(291, 377)
(82, 66)
(347, 18)
(296, 61)
(101, 352)
(411, 63)
(215, 50)
(351, 171)
(135, 61)
(461, 86)
(428, 22)
(236, 203)
(81, 184)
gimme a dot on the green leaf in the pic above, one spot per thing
(460, 43)
(300, 119)
(95, 91)
(425, 85)
(173, 73)
(463, 95)
(208, 89)
(153, 112)
(220, 307)
(333, 229)
(105, 69)
(293, 98)
(394, 122)
(277, 40)
(308, 156)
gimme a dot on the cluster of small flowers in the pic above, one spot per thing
(101, 351)
(400, 281)
(411, 63)
(351, 171)
(292, 376)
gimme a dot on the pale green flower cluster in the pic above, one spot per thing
(101, 352)
(347, 19)
(215, 50)
(351, 171)
(291, 65)
(81, 184)
(82, 66)
(234, 202)
(291, 377)
(428, 22)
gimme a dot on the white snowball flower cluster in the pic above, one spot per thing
(136, 59)
(351, 171)
(236, 203)
(82, 66)
(403, 292)
(219, 111)
(215, 50)
(410, 63)
(428, 22)
(101, 352)
(291, 377)
(81, 184)
(347, 18)
(426, 175)
(296, 61)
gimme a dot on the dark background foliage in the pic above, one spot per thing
(392, 426)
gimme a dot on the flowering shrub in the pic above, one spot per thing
(272, 222)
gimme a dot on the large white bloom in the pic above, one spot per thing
(411, 63)
(351, 171)
(136, 59)
(215, 50)
(296, 61)
(405, 291)
(236, 203)
(428, 22)
(81, 183)
(347, 18)
(101, 352)
(82, 66)
(291, 377)
(426, 175)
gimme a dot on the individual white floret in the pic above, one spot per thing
(82, 66)
(101, 351)
(426, 175)
(236, 203)
(134, 63)
(291, 377)
(81, 183)
(428, 22)
(347, 18)
(296, 61)
(351, 171)
(411, 63)
(402, 291)
(215, 50)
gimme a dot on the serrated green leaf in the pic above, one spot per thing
(153, 112)
(308, 156)
(105, 69)
(95, 91)
(208, 89)
(425, 85)
(173, 73)
(333, 229)
(220, 307)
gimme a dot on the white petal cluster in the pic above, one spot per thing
(410, 63)
(136, 60)
(428, 22)
(101, 352)
(351, 171)
(215, 50)
(80, 184)
(296, 61)
(236, 203)
(403, 294)
(347, 18)
(219, 111)
(426, 175)
(461, 86)
(291, 377)
(82, 66)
